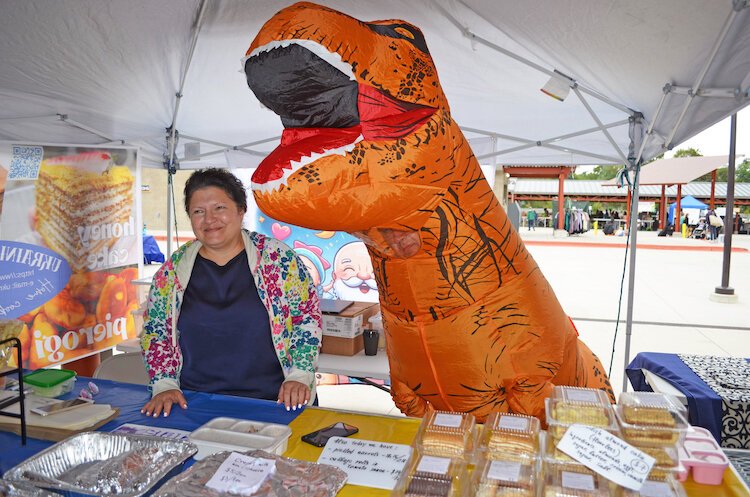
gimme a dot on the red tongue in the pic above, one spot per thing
(381, 118)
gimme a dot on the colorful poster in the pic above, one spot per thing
(338, 262)
(72, 209)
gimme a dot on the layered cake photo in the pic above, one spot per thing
(85, 210)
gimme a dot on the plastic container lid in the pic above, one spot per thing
(650, 408)
(510, 435)
(48, 378)
(572, 481)
(561, 414)
(433, 476)
(447, 434)
(496, 477)
(651, 435)
(668, 487)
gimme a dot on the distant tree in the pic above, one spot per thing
(599, 172)
(687, 152)
(742, 173)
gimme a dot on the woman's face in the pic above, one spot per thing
(215, 218)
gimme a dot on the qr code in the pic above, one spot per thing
(25, 162)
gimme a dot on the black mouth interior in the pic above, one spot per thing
(303, 89)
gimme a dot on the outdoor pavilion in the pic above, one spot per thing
(560, 172)
(676, 171)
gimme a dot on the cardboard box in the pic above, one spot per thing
(350, 322)
(342, 346)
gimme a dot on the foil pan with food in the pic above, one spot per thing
(17, 489)
(292, 478)
(103, 464)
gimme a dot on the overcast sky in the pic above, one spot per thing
(715, 140)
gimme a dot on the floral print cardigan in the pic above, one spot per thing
(285, 288)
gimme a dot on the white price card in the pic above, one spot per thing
(449, 420)
(366, 462)
(432, 464)
(240, 474)
(582, 395)
(513, 423)
(505, 471)
(656, 489)
(608, 455)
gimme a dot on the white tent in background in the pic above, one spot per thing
(641, 75)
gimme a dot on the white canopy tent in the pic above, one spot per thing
(642, 75)
(86, 71)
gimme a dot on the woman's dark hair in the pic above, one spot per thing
(220, 178)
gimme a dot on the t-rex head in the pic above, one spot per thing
(365, 121)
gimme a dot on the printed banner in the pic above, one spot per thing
(338, 262)
(69, 248)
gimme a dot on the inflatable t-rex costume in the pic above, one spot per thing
(369, 147)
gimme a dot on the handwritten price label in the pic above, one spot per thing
(367, 463)
(240, 474)
(608, 455)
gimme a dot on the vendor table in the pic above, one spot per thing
(705, 406)
(357, 366)
(203, 407)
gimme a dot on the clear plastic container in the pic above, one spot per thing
(651, 408)
(433, 476)
(562, 412)
(668, 487)
(233, 434)
(565, 480)
(504, 478)
(508, 435)
(51, 382)
(644, 434)
(586, 406)
(447, 434)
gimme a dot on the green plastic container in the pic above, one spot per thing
(51, 382)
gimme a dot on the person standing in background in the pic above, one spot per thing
(531, 218)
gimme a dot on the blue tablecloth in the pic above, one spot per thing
(151, 251)
(704, 405)
(202, 407)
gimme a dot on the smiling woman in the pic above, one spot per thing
(234, 312)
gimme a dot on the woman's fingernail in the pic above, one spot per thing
(156, 415)
(287, 408)
(165, 415)
(299, 406)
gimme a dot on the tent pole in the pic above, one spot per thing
(636, 135)
(725, 289)
(170, 201)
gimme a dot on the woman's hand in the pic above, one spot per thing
(163, 402)
(294, 395)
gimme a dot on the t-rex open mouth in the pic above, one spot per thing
(323, 108)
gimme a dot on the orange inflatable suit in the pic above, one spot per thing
(369, 147)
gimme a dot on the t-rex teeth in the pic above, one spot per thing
(276, 184)
(332, 58)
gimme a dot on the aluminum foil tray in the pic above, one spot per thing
(103, 464)
(16, 489)
(292, 478)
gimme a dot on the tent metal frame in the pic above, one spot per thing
(639, 137)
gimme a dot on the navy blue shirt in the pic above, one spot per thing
(225, 335)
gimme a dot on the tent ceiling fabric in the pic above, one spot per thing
(114, 68)
(676, 171)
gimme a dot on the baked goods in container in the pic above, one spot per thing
(447, 434)
(650, 408)
(510, 436)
